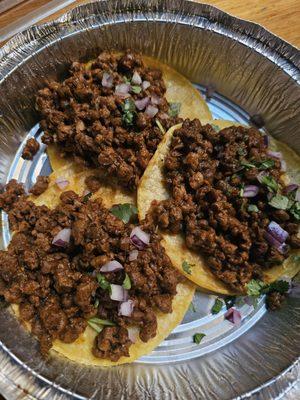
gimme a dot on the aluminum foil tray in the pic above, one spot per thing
(253, 71)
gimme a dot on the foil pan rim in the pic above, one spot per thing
(8, 61)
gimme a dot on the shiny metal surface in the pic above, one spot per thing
(249, 67)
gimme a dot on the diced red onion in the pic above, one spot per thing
(145, 85)
(151, 111)
(155, 99)
(275, 154)
(126, 308)
(266, 140)
(139, 238)
(250, 191)
(136, 78)
(62, 183)
(290, 188)
(283, 165)
(62, 239)
(141, 104)
(133, 255)
(122, 90)
(261, 175)
(234, 316)
(111, 266)
(277, 232)
(132, 334)
(107, 80)
(297, 196)
(118, 293)
(281, 247)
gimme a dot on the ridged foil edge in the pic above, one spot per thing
(15, 51)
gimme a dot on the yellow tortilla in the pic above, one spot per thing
(179, 90)
(80, 350)
(152, 187)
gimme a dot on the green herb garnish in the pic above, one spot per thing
(254, 287)
(124, 211)
(295, 210)
(217, 307)
(215, 127)
(136, 89)
(266, 164)
(97, 328)
(277, 286)
(86, 197)
(158, 123)
(96, 304)
(128, 112)
(242, 190)
(103, 282)
(280, 202)
(126, 80)
(127, 282)
(296, 259)
(270, 182)
(100, 321)
(242, 152)
(197, 338)
(247, 164)
(174, 109)
(252, 208)
(230, 301)
(187, 267)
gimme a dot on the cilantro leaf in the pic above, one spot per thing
(252, 208)
(103, 282)
(295, 210)
(242, 152)
(217, 307)
(247, 164)
(124, 211)
(270, 182)
(158, 123)
(128, 112)
(97, 328)
(96, 304)
(87, 196)
(127, 282)
(174, 109)
(254, 287)
(277, 286)
(187, 267)
(279, 201)
(266, 164)
(197, 338)
(99, 321)
(136, 89)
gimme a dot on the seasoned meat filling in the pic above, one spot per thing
(52, 269)
(40, 186)
(30, 149)
(106, 114)
(226, 195)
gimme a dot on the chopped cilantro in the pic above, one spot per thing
(295, 210)
(266, 164)
(136, 89)
(99, 321)
(242, 190)
(242, 152)
(217, 307)
(230, 301)
(197, 338)
(254, 287)
(296, 259)
(87, 197)
(277, 286)
(97, 328)
(187, 267)
(128, 112)
(158, 123)
(252, 208)
(96, 304)
(174, 109)
(270, 182)
(126, 80)
(215, 127)
(247, 164)
(192, 307)
(279, 201)
(127, 282)
(103, 282)
(124, 211)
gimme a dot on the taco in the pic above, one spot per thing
(112, 112)
(87, 291)
(235, 184)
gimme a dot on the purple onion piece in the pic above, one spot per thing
(151, 111)
(139, 238)
(281, 247)
(141, 104)
(275, 154)
(118, 293)
(132, 334)
(145, 85)
(62, 183)
(277, 232)
(107, 80)
(290, 188)
(233, 316)
(122, 90)
(155, 99)
(126, 308)
(133, 255)
(283, 165)
(111, 266)
(62, 239)
(250, 191)
(136, 78)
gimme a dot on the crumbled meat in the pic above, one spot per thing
(274, 300)
(40, 186)
(30, 149)
(93, 183)
(205, 172)
(57, 288)
(106, 130)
